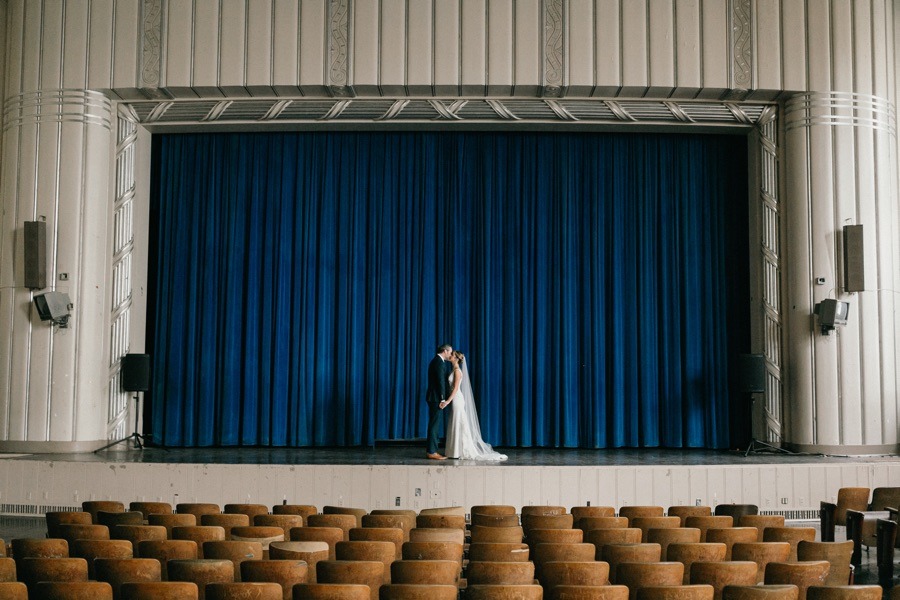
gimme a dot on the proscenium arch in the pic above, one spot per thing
(757, 120)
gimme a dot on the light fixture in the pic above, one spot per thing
(53, 307)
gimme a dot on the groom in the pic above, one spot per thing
(439, 370)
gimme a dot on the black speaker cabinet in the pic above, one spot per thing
(854, 259)
(752, 373)
(35, 255)
(136, 372)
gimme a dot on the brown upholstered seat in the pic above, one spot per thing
(543, 510)
(432, 572)
(331, 591)
(683, 512)
(762, 553)
(300, 510)
(836, 553)
(172, 521)
(761, 522)
(579, 512)
(504, 592)
(151, 508)
(286, 522)
(202, 571)
(199, 534)
(57, 518)
(95, 506)
(159, 590)
(791, 535)
(760, 592)
(510, 552)
(286, 573)
(116, 571)
(244, 591)
(616, 554)
(358, 513)
(309, 552)
(688, 554)
(801, 574)
(731, 536)
(166, 550)
(647, 523)
(72, 590)
(483, 533)
(679, 535)
(594, 572)
(198, 509)
(340, 521)
(603, 537)
(588, 523)
(844, 592)
(500, 573)
(432, 551)
(329, 535)
(369, 573)
(555, 536)
(402, 522)
(704, 523)
(92, 549)
(379, 534)
(410, 591)
(235, 551)
(16, 590)
(384, 552)
(722, 574)
(251, 510)
(676, 592)
(639, 575)
(588, 592)
(226, 521)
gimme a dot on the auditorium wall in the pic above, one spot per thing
(87, 82)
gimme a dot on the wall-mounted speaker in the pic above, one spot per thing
(752, 373)
(35, 254)
(854, 259)
(136, 372)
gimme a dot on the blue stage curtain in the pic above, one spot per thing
(303, 281)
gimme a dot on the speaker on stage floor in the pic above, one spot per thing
(752, 373)
(136, 372)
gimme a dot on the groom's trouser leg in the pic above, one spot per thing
(434, 421)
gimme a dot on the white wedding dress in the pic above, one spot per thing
(463, 431)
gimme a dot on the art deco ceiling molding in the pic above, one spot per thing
(238, 111)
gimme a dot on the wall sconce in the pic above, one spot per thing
(831, 314)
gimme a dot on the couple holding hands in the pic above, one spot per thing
(449, 387)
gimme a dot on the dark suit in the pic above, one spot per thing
(438, 390)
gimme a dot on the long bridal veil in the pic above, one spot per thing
(481, 450)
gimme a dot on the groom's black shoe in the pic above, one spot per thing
(436, 456)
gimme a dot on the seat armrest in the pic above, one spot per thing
(826, 520)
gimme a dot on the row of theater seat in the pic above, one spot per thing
(293, 551)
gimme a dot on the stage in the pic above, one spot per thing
(390, 476)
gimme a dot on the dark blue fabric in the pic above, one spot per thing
(304, 280)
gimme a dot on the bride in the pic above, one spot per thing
(463, 432)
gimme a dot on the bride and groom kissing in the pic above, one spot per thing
(449, 386)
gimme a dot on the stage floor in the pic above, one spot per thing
(413, 455)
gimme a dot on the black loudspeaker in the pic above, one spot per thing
(136, 372)
(35, 255)
(854, 259)
(752, 373)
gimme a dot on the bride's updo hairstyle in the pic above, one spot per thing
(460, 355)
